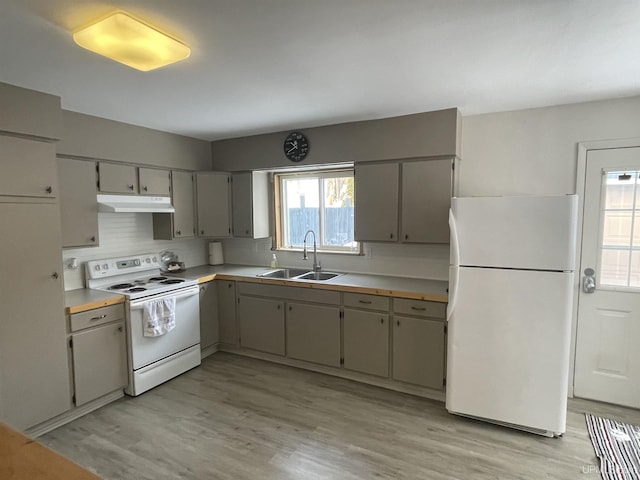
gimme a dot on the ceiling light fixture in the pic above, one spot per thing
(132, 42)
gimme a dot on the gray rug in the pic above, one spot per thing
(617, 446)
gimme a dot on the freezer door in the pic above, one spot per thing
(508, 346)
(526, 232)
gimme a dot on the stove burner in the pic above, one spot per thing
(157, 279)
(136, 289)
(139, 282)
(121, 286)
(171, 281)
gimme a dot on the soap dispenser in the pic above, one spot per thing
(274, 261)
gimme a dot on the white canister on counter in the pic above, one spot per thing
(215, 253)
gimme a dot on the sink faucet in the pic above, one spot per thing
(316, 265)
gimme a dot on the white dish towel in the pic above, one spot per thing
(159, 317)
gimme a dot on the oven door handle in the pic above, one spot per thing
(188, 292)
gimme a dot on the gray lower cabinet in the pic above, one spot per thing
(34, 371)
(313, 333)
(228, 329)
(78, 205)
(418, 351)
(99, 353)
(366, 341)
(261, 323)
(209, 325)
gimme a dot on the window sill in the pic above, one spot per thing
(358, 253)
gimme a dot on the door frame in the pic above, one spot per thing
(581, 177)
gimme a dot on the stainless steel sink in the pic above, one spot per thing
(318, 276)
(284, 273)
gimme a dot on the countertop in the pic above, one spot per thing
(415, 288)
(24, 459)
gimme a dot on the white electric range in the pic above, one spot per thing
(152, 360)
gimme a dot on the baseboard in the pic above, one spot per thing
(210, 350)
(73, 414)
(338, 372)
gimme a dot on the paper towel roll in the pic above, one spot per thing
(215, 253)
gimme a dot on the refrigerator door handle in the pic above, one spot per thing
(453, 273)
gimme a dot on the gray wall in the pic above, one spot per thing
(535, 151)
(94, 137)
(410, 136)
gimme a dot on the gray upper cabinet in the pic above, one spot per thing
(153, 181)
(181, 224)
(78, 206)
(250, 194)
(213, 204)
(28, 168)
(426, 198)
(418, 200)
(115, 178)
(34, 371)
(376, 215)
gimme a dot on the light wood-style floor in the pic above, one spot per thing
(242, 418)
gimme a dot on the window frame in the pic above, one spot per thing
(280, 206)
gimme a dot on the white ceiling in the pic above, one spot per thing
(260, 66)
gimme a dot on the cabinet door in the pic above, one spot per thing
(313, 333)
(153, 181)
(418, 351)
(116, 178)
(28, 168)
(376, 210)
(261, 324)
(213, 204)
(78, 206)
(183, 218)
(208, 314)
(250, 193)
(426, 198)
(34, 372)
(227, 312)
(366, 342)
(99, 362)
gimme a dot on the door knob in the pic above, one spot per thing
(588, 281)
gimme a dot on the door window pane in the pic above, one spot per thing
(620, 190)
(617, 229)
(614, 267)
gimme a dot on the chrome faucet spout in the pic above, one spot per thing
(316, 265)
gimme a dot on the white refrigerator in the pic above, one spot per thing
(511, 289)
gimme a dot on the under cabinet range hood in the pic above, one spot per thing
(134, 204)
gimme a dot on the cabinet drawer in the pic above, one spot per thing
(370, 302)
(420, 308)
(284, 292)
(98, 316)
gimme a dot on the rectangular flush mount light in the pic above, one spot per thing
(127, 40)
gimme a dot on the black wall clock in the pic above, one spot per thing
(296, 146)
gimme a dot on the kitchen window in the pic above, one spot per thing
(322, 201)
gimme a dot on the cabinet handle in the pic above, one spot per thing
(93, 239)
(246, 232)
(229, 286)
(290, 307)
(201, 232)
(49, 189)
(366, 302)
(145, 188)
(54, 275)
(130, 187)
(99, 317)
(398, 322)
(419, 309)
(406, 237)
(382, 321)
(278, 306)
(119, 329)
(391, 235)
(178, 232)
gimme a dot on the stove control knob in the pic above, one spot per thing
(155, 259)
(97, 267)
(105, 267)
(136, 262)
(148, 260)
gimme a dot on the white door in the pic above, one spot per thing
(607, 349)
